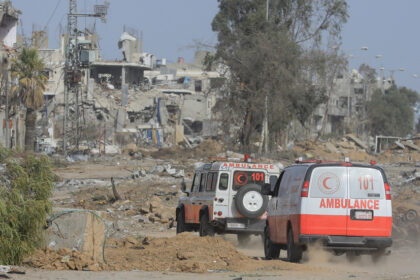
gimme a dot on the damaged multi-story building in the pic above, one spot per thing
(145, 100)
(346, 108)
(12, 118)
(137, 99)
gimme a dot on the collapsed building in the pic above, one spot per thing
(143, 100)
(138, 99)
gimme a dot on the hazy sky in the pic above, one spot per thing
(387, 27)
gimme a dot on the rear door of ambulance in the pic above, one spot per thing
(369, 211)
(322, 211)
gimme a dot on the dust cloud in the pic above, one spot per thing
(401, 260)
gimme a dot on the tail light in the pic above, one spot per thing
(387, 191)
(305, 189)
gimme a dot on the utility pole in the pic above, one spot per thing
(266, 126)
(72, 75)
(266, 12)
(6, 111)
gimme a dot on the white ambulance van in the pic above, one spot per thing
(225, 197)
(345, 207)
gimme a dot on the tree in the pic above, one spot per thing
(28, 69)
(368, 73)
(25, 194)
(392, 113)
(273, 59)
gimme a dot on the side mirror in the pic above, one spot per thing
(266, 189)
(183, 187)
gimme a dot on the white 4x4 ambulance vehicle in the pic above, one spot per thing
(344, 206)
(225, 197)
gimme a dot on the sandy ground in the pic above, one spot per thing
(317, 264)
(332, 271)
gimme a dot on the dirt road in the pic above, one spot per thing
(395, 268)
(317, 264)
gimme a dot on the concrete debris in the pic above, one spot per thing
(157, 169)
(399, 145)
(73, 183)
(77, 157)
(171, 171)
(179, 174)
(168, 169)
(411, 145)
(139, 173)
(356, 140)
(331, 147)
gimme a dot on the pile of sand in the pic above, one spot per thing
(185, 252)
(63, 259)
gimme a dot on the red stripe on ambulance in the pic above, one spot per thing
(336, 225)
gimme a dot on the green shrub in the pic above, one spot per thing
(25, 191)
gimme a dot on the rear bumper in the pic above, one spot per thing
(253, 226)
(348, 243)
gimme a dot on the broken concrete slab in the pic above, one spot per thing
(399, 145)
(78, 230)
(356, 140)
(330, 146)
(411, 146)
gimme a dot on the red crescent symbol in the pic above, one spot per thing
(325, 183)
(239, 178)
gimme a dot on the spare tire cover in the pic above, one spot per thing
(250, 202)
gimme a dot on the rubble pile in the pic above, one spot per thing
(406, 220)
(208, 148)
(185, 252)
(355, 149)
(63, 259)
(333, 150)
(158, 212)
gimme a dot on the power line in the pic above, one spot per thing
(52, 15)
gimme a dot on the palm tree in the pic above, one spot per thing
(28, 69)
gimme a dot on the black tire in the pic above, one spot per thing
(243, 238)
(205, 228)
(294, 252)
(271, 250)
(240, 205)
(180, 222)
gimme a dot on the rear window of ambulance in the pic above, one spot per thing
(366, 183)
(328, 181)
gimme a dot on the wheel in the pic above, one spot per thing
(271, 250)
(352, 256)
(243, 238)
(250, 202)
(411, 215)
(294, 252)
(205, 227)
(180, 224)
